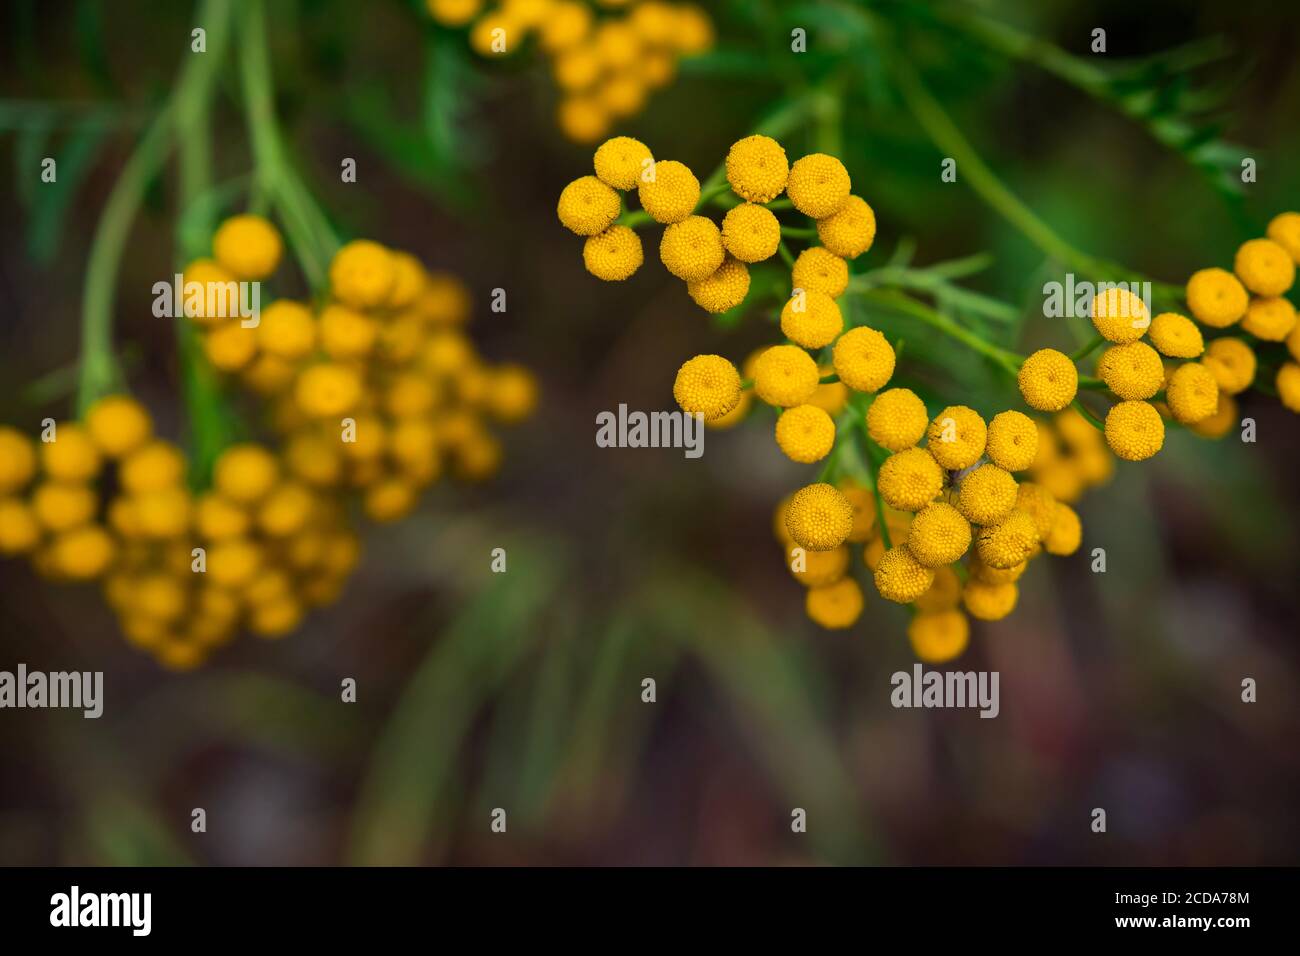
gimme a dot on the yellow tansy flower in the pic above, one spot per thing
(805, 433)
(819, 517)
(957, 436)
(1264, 267)
(1216, 297)
(849, 232)
(620, 161)
(118, 425)
(72, 455)
(1012, 440)
(835, 606)
(1176, 336)
(1008, 543)
(1039, 503)
(1066, 533)
(819, 270)
(939, 535)
(1284, 229)
(1119, 315)
(1221, 422)
(1132, 371)
(692, 249)
(816, 569)
(1233, 364)
(785, 375)
(812, 319)
(725, 289)
(757, 168)
(939, 636)
(1134, 430)
(614, 255)
(751, 233)
(362, 274)
(1048, 380)
(944, 594)
(707, 385)
(1288, 385)
(818, 185)
(900, 577)
(588, 206)
(910, 479)
(863, 359)
(989, 602)
(1270, 318)
(247, 246)
(896, 419)
(1192, 393)
(671, 192)
(987, 495)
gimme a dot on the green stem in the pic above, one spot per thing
(1005, 359)
(1093, 420)
(945, 134)
(205, 408)
(797, 232)
(633, 218)
(786, 254)
(880, 502)
(1085, 351)
(309, 233)
(100, 372)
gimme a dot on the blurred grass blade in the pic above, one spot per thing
(396, 819)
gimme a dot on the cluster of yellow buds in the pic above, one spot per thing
(948, 509)
(379, 391)
(606, 59)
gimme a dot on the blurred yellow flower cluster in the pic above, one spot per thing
(606, 58)
(377, 392)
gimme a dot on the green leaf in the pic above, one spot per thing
(53, 200)
(398, 813)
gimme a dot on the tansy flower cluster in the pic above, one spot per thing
(946, 510)
(378, 392)
(713, 258)
(1249, 325)
(606, 58)
(107, 500)
(378, 389)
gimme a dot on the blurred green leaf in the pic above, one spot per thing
(397, 815)
(52, 201)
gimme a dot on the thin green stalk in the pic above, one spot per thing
(632, 218)
(786, 254)
(1093, 420)
(972, 169)
(880, 502)
(99, 369)
(100, 372)
(309, 233)
(205, 407)
(1085, 351)
(795, 232)
(1005, 359)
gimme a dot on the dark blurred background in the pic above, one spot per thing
(523, 691)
